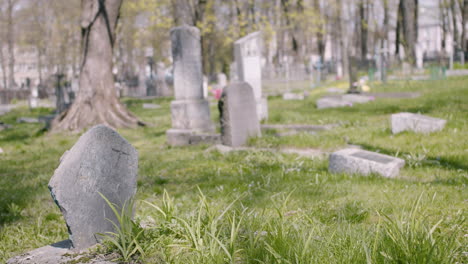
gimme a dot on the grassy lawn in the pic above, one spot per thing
(267, 207)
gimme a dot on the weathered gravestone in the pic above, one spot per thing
(239, 120)
(247, 55)
(332, 102)
(293, 96)
(415, 122)
(190, 111)
(101, 162)
(34, 97)
(356, 161)
(357, 98)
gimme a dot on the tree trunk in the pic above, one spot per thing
(339, 25)
(97, 101)
(455, 41)
(409, 26)
(464, 11)
(11, 44)
(320, 37)
(363, 26)
(2, 64)
(398, 37)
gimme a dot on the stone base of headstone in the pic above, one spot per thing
(415, 122)
(33, 102)
(357, 98)
(332, 102)
(184, 137)
(297, 127)
(262, 109)
(28, 120)
(151, 106)
(47, 120)
(356, 161)
(58, 253)
(293, 96)
(397, 95)
(192, 115)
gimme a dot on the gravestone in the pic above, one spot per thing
(357, 98)
(293, 96)
(151, 106)
(103, 162)
(62, 97)
(34, 97)
(190, 111)
(415, 122)
(239, 120)
(222, 80)
(357, 161)
(332, 102)
(247, 55)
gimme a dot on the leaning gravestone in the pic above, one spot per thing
(101, 162)
(190, 111)
(357, 161)
(239, 120)
(415, 122)
(247, 55)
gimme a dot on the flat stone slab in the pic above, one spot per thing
(335, 90)
(151, 106)
(184, 137)
(293, 96)
(308, 153)
(332, 102)
(297, 127)
(357, 161)
(101, 162)
(415, 122)
(57, 253)
(460, 72)
(357, 98)
(396, 95)
(28, 120)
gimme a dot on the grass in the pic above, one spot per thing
(263, 207)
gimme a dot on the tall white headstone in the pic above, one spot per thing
(190, 111)
(247, 55)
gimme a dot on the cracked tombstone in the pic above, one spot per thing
(101, 162)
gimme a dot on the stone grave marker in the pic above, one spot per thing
(247, 53)
(357, 98)
(103, 162)
(332, 102)
(357, 161)
(34, 97)
(190, 111)
(222, 80)
(293, 96)
(239, 120)
(151, 106)
(415, 122)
